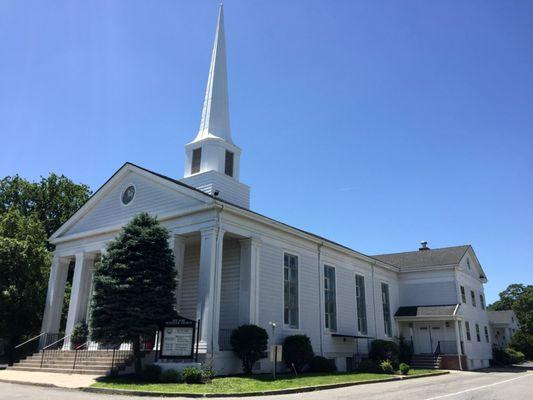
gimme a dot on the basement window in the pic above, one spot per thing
(196, 160)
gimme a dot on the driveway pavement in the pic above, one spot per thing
(483, 385)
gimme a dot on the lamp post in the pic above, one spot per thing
(275, 348)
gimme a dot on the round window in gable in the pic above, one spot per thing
(128, 194)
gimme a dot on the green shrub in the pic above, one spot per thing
(507, 356)
(170, 376)
(404, 368)
(382, 350)
(405, 350)
(297, 351)
(208, 373)
(523, 342)
(249, 343)
(517, 357)
(386, 367)
(192, 375)
(151, 373)
(79, 334)
(322, 364)
(369, 366)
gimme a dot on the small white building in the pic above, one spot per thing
(235, 266)
(503, 325)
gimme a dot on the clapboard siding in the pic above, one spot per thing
(150, 196)
(428, 293)
(189, 286)
(230, 282)
(229, 189)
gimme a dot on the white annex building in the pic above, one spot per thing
(235, 266)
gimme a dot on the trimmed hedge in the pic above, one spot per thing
(322, 364)
(382, 350)
(249, 343)
(297, 351)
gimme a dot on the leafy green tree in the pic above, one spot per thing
(53, 199)
(24, 269)
(519, 298)
(134, 286)
(508, 297)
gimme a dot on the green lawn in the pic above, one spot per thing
(241, 384)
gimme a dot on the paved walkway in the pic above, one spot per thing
(47, 378)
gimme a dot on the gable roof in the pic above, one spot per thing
(128, 165)
(425, 258)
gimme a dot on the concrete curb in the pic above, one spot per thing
(262, 393)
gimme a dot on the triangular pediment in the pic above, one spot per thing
(108, 207)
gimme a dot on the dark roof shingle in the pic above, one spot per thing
(425, 258)
(426, 311)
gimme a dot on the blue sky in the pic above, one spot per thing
(375, 123)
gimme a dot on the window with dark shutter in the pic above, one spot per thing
(196, 160)
(228, 169)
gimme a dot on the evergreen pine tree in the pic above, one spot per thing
(134, 285)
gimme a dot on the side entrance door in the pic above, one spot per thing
(423, 340)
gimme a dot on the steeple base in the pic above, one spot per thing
(228, 189)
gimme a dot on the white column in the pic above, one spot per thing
(79, 297)
(458, 341)
(206, 283)
(217, 289)
(55, 295)
(249, 281)
(177, 244)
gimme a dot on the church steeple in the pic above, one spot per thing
(215, 113)
(212, 160)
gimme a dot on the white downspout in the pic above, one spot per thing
(374, 303)
(319, 247)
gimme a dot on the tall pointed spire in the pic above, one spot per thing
(212, 161)
(215, 113)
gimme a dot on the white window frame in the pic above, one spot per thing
(462, 293)
(389, 334)
(473, 298)
(365, 332)
(297, 255)
(468, 332)
(324, 266)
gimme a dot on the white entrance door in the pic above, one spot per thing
(436, 336)
(422, 340)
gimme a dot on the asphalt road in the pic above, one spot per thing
(483, 385)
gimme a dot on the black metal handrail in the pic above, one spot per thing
(30, 340)
(50, 351)
(33, 344)
(437, 349)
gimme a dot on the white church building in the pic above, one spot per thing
(235, 266)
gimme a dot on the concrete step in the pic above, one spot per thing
(102, 371)
(65, 365)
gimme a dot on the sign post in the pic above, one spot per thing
(177, 338)
(276, 352)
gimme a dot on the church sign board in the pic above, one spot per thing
(177, 338)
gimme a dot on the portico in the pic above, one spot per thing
(432, 330)
(216, 271)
